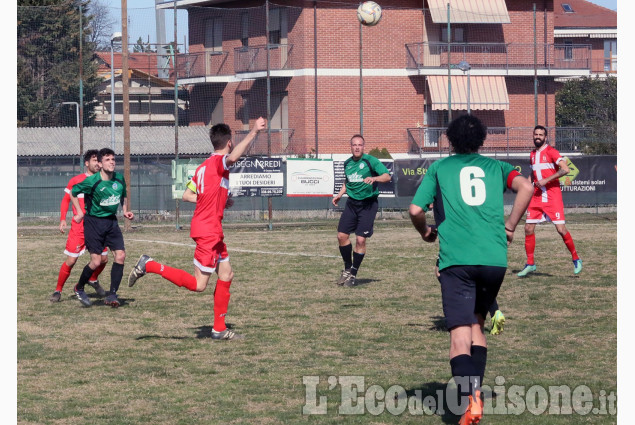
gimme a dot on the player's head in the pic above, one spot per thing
(106, 158)
(466, 134)
(539, 136)
(90, 160)
(357, 146)
(220, 135)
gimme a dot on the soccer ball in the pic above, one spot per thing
(369, 13)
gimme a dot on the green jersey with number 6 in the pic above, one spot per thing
(467, 193)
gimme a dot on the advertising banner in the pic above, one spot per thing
(409, 173)
(385, 189)
(309, 177)
(255, 176)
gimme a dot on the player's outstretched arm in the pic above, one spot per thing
(383, 178)
(241, 147)
(524, 191)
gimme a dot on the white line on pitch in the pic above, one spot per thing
(250, 251)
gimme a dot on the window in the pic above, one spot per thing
(244, 38)
(568, 50)
(457, 35)
(216, 114)
(567, 8)
(610, 55)
(274, 26)
(214, 35)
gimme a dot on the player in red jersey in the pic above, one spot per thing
(75, 242)
(209, 190)
(547, 166)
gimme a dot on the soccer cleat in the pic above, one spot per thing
(344, 276)
(529, 268)
(226, 334)
(97, 287)
(112, 300)
(577, 266)
(139, 269)
(498, 321)
(350, 281)
(55, 297)
(474, 412)
(82, 297)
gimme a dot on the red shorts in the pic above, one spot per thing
(75, 245)
(546, 206)
(210, 250)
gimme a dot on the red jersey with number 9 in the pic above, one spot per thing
(211, 185)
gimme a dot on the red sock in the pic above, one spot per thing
(97, 271)
(176, 276)
(530, 247)
(221, 301)
(568, 241)
(65, 272)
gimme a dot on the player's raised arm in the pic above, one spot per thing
(241, 147)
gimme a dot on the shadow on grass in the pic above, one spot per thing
(362, 282)
(437, 391)
(516, 271)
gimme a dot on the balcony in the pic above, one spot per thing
(503, 139)
(253, 59)
(282, 142)
(499, 56)
(205, 64)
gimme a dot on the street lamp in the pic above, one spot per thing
(465, 67)
(116, 37)
(76, 109)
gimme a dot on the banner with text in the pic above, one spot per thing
(255, 176)
(385, 189)
(309, 177)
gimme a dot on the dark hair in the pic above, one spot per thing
(104, 152)
(220, 134)
(539, 127)
(466, 133)
(90, 153)
(358, 135)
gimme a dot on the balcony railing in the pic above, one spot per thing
(254, 58)
(503, 139)
(281, 142)
(604, 66)
(192, 65)
(499, 55)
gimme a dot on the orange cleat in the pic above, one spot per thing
(474, 412)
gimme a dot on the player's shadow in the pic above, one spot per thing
(515, 272)
(365, 281)
(98, 301)
(203, 332)
(438, 324)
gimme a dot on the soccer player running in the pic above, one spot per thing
(467, 191)
(208, 189)
(547, 166)
(363, 173)
(103, 192)
(75, 242)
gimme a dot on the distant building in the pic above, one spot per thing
(151, 98)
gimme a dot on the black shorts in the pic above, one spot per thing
(358, 217)
(467, 291)
(102, 232)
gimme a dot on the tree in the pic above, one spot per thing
(101, 25)
(590, 102)
(141, 47)
(48, 62)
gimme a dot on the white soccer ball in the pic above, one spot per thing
(369, 13)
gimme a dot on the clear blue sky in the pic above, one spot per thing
(609, 4)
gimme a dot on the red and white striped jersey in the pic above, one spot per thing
(211, 184)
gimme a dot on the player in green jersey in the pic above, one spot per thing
(467, 192)
(103, 193)
(363, 173)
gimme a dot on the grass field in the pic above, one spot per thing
(151, 361)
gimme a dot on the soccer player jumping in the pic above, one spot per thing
(208, 189)
(547, 166)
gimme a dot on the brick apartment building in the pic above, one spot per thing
(391, 83)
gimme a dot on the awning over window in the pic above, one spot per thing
(486, 92)
(469, 11)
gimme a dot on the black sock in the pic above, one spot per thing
(116, 273)
(83, 278)
(493, 308)
(479, 358)
(346, 251)
(465, 374)
(357, 261)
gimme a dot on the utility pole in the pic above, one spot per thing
(126, 103)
